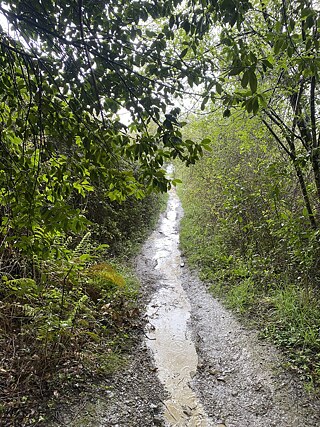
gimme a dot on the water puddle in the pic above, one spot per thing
(169, 338)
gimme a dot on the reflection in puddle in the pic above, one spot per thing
(168, 313)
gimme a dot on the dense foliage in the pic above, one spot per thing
(68, 69)
(258, 238)
(268, 64)
(74, 319)
(247, 230)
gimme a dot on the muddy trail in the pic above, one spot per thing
(196, 366)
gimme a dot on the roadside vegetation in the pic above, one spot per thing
(247, 230)
(68, 321)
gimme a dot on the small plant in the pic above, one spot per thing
(241, 296)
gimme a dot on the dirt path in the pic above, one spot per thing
(239, 379)
(197, 366)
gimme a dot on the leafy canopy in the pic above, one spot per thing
(67, 70)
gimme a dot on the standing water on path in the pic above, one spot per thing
(169, 337)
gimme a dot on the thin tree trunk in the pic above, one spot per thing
(291, 152)
(305, 196)
(315, 143)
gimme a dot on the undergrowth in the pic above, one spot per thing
(247, 231)
(286, 313)
(67, 322)
(57, 332)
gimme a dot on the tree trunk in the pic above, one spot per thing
(305, 196)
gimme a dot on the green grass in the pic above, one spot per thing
(293, 324)
(241, 296)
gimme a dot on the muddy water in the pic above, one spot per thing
(169, 337)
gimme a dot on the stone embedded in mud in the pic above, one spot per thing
(187, 411)
(154, 408)
(158, 420)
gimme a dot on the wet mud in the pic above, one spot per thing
(241, 380)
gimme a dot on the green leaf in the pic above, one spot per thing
(184, 52)
(236, 70)
(267, 63)
(176, 181)
(278, 45)
(255, 105)
(253, 58)
(168, 124)
(218, 88)
(186, 26)
(248, 105)
(253, 82)
(190, 80)
(292, 24)
(245, 79)
(262, 100)
(204, 103)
